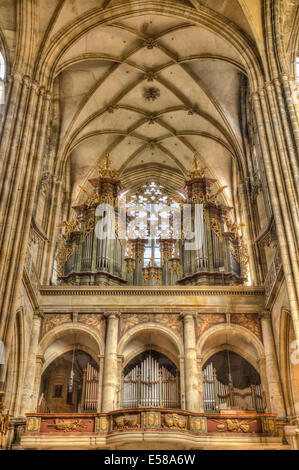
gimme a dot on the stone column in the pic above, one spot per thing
(53, 216)
(182, 382)
(191, 372)
(22, 144)
(200, 390)
(292, 436)
(276, 397)
(120, 361)
(275, 171)
(264, 380)
(100, 384)
(110, 381)
(31, 364)
(39, 362)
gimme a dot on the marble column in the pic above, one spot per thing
(39, 362)
(31, 364)
(199, 368)
(275, 391)
(120, 361)
(292, 436)
(264, 380)
(110, 382)
(191, 372)
(100, 384)
(22, 145)
(275, 171)
(182, 383)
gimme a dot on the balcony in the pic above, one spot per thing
(152, 428)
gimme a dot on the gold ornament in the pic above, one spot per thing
(4, 421)
(88, 227)
(126, 421)
(152, 271)
(67, 425)
(235, 253)
(69, 227)
(59, 257)
(92, 198)
(105, 170)
(198, 195)
(69, 252)
(216, 227)
(175, 421)
(198, 171)
(233, 425)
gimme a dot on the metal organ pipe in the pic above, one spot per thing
(90, 388)
(150, 385)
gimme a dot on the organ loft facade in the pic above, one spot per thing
(149, 224)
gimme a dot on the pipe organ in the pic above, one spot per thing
(151, 380)
(217, 395)
(89, 398)
(87, 256)
(149, 383)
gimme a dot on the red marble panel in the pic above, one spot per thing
(67, 425)
(235, 425)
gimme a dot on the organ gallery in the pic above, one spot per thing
(149, 225)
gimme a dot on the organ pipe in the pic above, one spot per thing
(218, 395)
(148, 384)
(85, 259)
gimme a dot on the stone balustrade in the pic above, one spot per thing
(146, 419)
(142, 427)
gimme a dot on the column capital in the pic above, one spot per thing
(38, 314)
(187, 315)
(115, 314)
(40, 358)
(199, 358)
(261, 358)
(265, 315)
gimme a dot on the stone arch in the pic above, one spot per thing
(157, 338)
(148, 327)
(159, 349)
(206, 18)
(94, 349)
(241, 340)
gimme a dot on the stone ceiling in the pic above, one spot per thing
(151, 90)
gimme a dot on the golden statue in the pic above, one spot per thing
(105, 170)
(198, 171)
